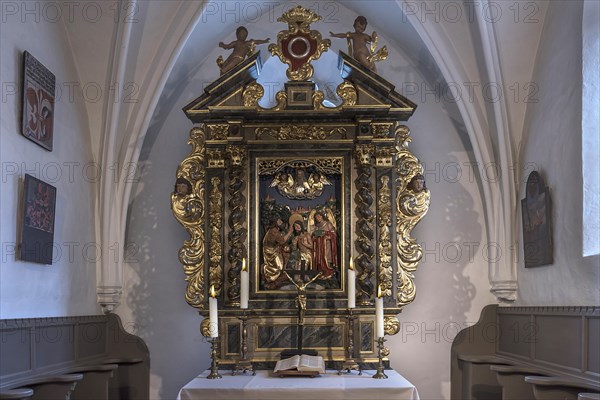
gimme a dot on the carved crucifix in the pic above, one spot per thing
(301, 299)
(301, 304)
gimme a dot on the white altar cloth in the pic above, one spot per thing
(266, 386)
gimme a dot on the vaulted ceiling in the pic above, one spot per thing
(150, 50)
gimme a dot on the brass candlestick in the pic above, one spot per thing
(380, 374)
(214, 366)
(243, 363)
(349, 363)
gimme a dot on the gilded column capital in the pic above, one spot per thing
(364, 153)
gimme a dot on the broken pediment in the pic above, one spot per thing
(363, 93)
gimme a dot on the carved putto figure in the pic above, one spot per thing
(357, 44)
(241, 49)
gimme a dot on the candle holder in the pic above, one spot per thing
(214, 365)
(349, 364)
(243, 363)
(380, 374)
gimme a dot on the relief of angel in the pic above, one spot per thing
(300, 187)
(316, 181)
(284, 183)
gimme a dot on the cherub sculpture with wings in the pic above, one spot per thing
(299, 187)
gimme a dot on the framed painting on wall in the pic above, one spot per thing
(537, 223)
(37, 233)
(39, 86)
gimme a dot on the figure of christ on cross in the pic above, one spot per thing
(301, 304)
(301, 299)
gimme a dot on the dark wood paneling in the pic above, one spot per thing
(55, 344)
(593, 345)
(559, 340)
(91, 339)
(15, 350)
(516, 335)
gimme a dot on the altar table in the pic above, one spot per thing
(265, 385)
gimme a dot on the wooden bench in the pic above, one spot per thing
(16, 394)
(88, 357)
(588, 396)
(526, 353)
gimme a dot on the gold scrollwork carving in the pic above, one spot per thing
(205, 327)
(328, 166)
(384, 221)
(252, 94)
(216, 159)
(391, 325)
(188, 209)
(281, 98)
(385, 352)
(318, 97)
(218, 131)
(412, 203)
(402, 136)
(347, 93)
(384, 157)
(407, 165)
(300, 132)
(215, 253)
(381, 129)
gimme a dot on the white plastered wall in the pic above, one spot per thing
(67, 287)
(552, 145)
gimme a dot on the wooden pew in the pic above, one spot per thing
(512, 380)
(588, 396)
(131, 376)
(41, 354)
(16, 394)
(53, 387)
(479, 378)
(527, 350)
(552, 387)
(95, 381)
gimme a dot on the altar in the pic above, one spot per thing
(266, 385)
(300, 215)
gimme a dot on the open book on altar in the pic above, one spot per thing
(301, 365)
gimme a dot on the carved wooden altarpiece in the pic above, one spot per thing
(337, 181)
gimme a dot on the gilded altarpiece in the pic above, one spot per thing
(297, 190)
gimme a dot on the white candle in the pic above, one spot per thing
(244, 286)
(379, 314)
(213, 314)
(351, 285)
